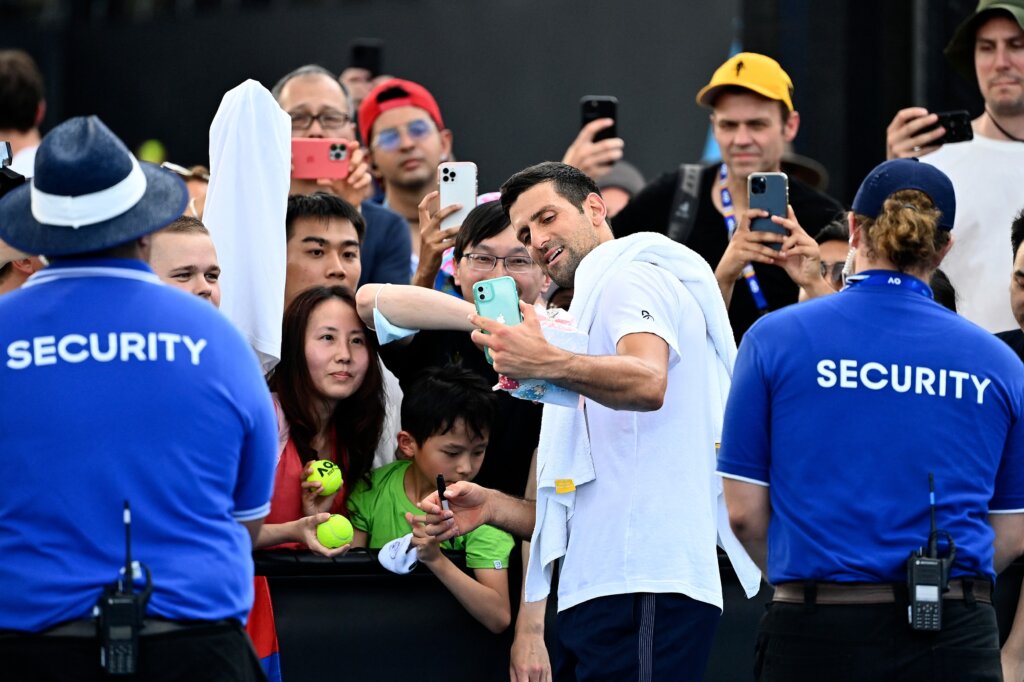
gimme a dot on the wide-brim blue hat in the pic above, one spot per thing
(88, 193)
(889, 177)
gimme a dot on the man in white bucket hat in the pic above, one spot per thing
(130, 410)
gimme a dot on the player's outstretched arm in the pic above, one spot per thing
(471, 506)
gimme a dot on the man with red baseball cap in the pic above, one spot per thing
(401, 125)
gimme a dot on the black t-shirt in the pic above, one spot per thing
(516, 430)
(649, 211)
(1015, 340)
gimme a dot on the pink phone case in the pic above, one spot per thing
(314, 158)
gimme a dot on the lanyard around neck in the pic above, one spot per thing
(1000, 128)
(729, 213)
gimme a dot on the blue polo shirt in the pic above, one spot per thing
(843, 405)
(114, 386)
(386, 246)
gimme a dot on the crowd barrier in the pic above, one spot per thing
(350, 618)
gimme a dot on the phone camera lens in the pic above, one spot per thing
(758, 185)
(453, 175)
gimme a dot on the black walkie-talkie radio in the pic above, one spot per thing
(928, 575)
(121, 611)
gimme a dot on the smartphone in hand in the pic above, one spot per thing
(314, 158)
(769, 192)
(593, 107)
(497, 299)
(957, 124)
(367, 53)
(456, 181)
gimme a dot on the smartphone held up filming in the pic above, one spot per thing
(497, 299)
(368, 54)
(957, 124)
(456, 181)
(769, 192)
(314, 158)
(593, 107)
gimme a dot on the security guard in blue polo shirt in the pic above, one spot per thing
(835, 459)
(128, 410)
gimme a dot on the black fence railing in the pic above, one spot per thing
(350, 617)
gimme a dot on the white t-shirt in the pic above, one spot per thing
(987, 176)
(647, 522)
(24, 162)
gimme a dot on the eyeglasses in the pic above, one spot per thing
(485, 261)
(390, 139)
(329, 120)
(832, 271)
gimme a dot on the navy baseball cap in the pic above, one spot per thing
(891, 176)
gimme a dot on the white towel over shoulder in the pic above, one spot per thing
(564, 460)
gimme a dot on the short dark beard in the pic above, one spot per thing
(562, 284)
(1007, 109)
(567, 278)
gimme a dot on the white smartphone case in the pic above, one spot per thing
(457, 183)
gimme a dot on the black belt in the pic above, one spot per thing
(86, 628)
(874, 593)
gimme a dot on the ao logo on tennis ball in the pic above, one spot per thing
(329, 475)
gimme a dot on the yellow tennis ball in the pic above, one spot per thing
(334, 532)
(152, 151)
(329, 475)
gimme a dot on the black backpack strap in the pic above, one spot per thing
(685, 203)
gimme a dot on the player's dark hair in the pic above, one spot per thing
(571, 183)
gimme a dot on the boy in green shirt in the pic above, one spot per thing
(446, 421)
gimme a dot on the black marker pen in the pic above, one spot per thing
(440, 491)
